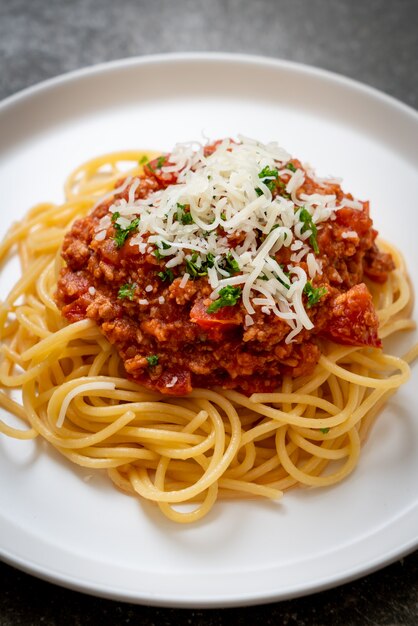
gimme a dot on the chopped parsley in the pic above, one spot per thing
(291, 167)
(127, 291)
(160, 162)
(268, 172)
(197, 271)
(325, 431)
(229, 264)
(152, 360)
(143, 160)
(183, 216)
(308, 224)
(157, 253)
(314, 294)
(210, 259)
(270, 177)
(167, 275)
(121, 234)
(228, 296)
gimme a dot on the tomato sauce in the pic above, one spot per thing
(163, 332)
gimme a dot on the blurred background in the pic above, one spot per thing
(375, 42)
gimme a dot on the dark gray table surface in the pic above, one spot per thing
(374, 41)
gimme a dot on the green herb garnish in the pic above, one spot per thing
(121, 234)
(127, 291)
(325, 431)
(183, 216)
(157, 253)
(228, 296)
(160, 162)
(152, 360)
(270, 178)
(210, 260)
(314, 294)
(308, 224)
(143, 160)
(268, 172)
(229, 264)
(192, 269)
(167, 275)
(197, 271)
(291, 167)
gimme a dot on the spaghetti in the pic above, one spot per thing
(213, 443)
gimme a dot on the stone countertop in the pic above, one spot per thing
(375, 42)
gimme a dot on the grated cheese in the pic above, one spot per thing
(101, 235)
(184, 280)
(226, 197)
(248, 321)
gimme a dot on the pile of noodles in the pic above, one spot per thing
(211, 444)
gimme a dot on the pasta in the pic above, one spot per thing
(173, 450)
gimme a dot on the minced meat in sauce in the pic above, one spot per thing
(162, 330)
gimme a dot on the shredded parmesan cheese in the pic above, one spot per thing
(184, 280)
(228, 194)
(248, 320)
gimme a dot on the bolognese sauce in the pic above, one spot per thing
(224, 265)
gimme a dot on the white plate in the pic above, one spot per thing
(85, 534)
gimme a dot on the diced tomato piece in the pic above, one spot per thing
(208, 150)
(355, 219)
(153, 168)
(353, 320)
(226, 317)
(76, 311)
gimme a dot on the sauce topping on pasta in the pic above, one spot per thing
(224, 265)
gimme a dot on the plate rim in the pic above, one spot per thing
(231, 599)
(86, 586)
(173, 57)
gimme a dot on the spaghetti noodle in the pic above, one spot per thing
(213, 443)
